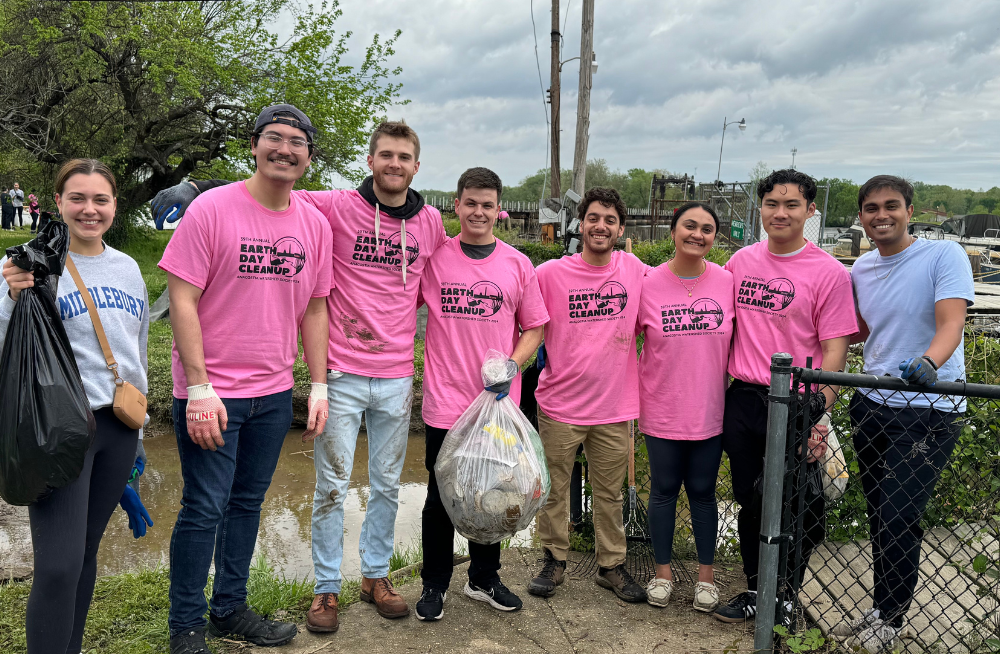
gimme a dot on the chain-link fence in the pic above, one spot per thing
(890, 541)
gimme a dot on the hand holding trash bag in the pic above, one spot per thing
(17, 279)
(491, 470)
(46, 426)
(502, 388)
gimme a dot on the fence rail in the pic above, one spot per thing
(914, 534)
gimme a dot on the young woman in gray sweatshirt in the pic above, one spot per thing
(67, 524)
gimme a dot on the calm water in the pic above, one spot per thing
(285, 516)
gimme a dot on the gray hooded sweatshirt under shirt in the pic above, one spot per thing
(119, 292)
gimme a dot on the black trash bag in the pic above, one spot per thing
(46, 426)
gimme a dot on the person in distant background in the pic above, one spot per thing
(17, 200)
(33, 209)
(6, 209)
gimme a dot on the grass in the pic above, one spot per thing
(129, 611)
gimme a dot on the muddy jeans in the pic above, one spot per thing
(606, 448)
(220, 505)
(386, 406)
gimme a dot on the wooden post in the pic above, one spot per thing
(583, 98)
(556, 191)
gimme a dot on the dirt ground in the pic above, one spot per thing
(15, 543)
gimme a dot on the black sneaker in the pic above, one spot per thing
(619, 581)
(495, 594)
(739, 609)
(189, 642)
(552, 574)
(245, 624)
(430, 606)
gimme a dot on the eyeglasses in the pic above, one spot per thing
(273, 141)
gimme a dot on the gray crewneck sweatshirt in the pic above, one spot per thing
(118, 291)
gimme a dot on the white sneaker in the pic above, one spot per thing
(706, 597)
(848, 628)
(879, 638)
(658, 591)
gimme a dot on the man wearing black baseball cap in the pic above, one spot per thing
(250, 251)
(383, 236)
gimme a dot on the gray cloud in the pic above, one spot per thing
(900, 86)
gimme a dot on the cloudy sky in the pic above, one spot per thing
(909, 87)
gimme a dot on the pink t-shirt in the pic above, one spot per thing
(373, 317)
(472, 306)
(257, 269)
(596, 383)
(787, 304)
(685, 353)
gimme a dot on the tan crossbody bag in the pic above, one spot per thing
(129, 404)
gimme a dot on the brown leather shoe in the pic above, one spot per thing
(322, 616)
(388, 602)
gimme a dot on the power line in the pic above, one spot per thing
(541, 86)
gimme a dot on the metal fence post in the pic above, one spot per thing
(774, 472)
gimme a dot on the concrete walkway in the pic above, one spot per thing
(581, 617)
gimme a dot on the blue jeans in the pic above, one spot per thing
(220, 506)
(386, 405)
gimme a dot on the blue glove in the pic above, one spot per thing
(138, 517)
(171, 203)
(502, 389)
(540, 357)
(919, 370)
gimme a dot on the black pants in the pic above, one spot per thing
(34, 220)
(66, 530)
(901, 453)
(439, 534)
(20, 216)
(744, 438)
(696, 464)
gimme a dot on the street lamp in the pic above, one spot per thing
(742, 123)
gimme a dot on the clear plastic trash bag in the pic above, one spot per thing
(491, 470)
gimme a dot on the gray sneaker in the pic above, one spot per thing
(848, 628)
(879, 638)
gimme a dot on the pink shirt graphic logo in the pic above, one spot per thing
(286, 258)
(775, 294)
(384, 252)
(482, 300)
(609, 300)
(704, 314)
(394, 245)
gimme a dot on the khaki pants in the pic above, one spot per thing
(606, 447)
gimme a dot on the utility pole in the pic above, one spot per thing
(795, 151)
(583, 98)
(556, 191)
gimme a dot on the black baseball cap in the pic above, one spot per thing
(271, 115)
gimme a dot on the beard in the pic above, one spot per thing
(392, 184)
(599, 248)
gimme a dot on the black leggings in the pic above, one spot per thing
(20, 216)
(66, 530)
(696, 464)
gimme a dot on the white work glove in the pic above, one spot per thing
(206, 417)
(319, 411)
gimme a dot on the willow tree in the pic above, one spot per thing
(162, 91)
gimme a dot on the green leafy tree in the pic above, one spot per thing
(162, 91)
(633, 185)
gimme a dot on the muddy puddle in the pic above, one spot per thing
(285, 529)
